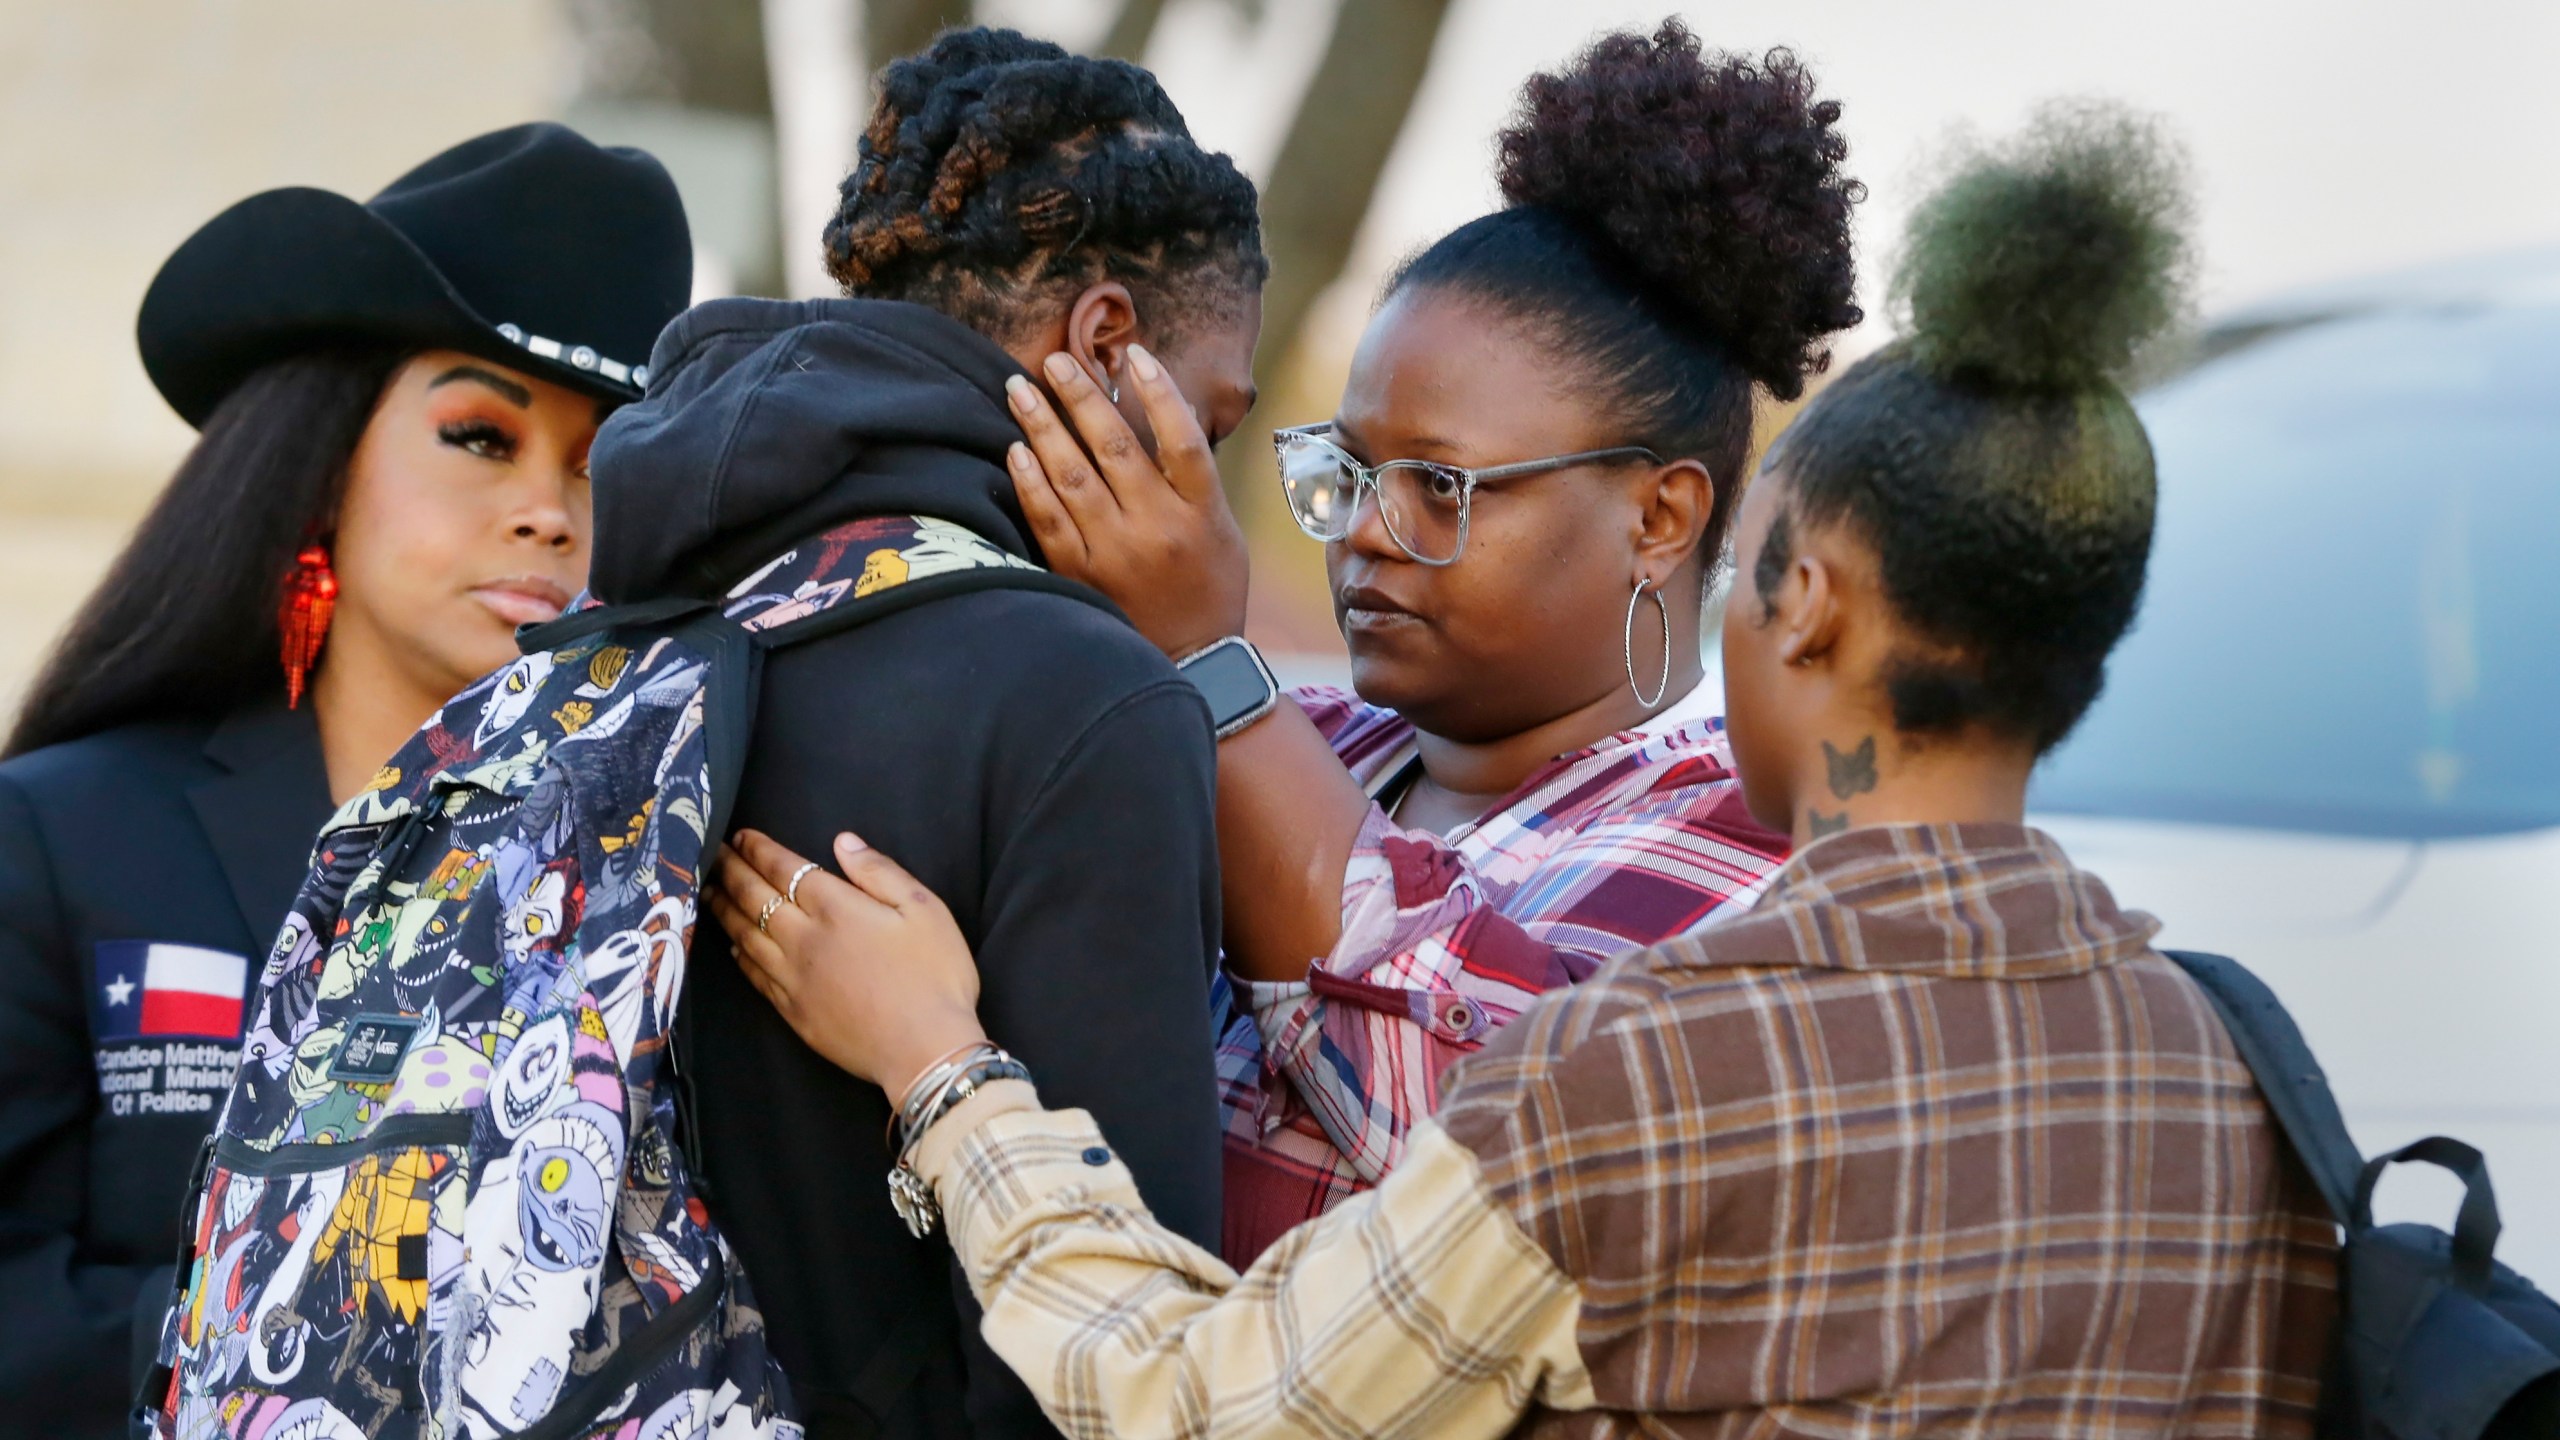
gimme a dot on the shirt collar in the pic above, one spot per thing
(1978, 901)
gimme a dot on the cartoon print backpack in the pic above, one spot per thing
(449, 1194)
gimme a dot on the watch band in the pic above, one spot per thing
(1237, 710)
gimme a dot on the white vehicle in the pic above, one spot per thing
(2331, 747)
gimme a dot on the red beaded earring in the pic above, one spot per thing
(310, 596)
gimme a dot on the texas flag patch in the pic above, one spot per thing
(152, 988)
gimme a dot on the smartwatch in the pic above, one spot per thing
(1230, 675)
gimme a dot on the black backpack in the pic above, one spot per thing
(2435, 1338)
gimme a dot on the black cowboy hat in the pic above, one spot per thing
(531, 246)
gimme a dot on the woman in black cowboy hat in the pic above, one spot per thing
(395, 399)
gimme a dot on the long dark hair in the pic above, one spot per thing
(184, 625)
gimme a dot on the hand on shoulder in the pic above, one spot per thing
(868, 966)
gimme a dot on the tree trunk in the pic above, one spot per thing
(1130, 31)
(821, 97)
(1328, 168)
(714, 53)
(1329, 164)
(895, 28)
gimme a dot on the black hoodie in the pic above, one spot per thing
(1029, 757)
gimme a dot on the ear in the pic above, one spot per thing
(1809, 617)
(1676, 501)
(1101, 324)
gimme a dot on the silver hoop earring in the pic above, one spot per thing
(1644, 588)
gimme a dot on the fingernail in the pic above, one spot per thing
(849, 843)
(1061, 368)
(1019, 391)
(1144, 363)
(1018, 455)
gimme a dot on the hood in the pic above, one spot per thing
(769, 420)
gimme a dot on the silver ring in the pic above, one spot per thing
(766, 913)
(791, 892)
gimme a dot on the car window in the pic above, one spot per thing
(2352, 622)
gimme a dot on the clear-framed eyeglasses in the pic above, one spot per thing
(1425, 504)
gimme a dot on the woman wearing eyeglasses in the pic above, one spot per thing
(1523, 499)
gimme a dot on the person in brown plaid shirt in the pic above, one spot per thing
(1930, 1141)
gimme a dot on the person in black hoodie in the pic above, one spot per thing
(1031, 758)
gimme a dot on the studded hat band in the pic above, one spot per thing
(581, 357)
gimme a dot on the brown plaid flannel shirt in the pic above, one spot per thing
(1930, 1141)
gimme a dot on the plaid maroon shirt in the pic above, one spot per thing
(1929, 1143)
(1620, 845)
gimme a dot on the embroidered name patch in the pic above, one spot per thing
(374, 1047)
(149, 989)
(166, 1021)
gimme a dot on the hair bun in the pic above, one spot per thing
(2048, 262)
(1715, 179)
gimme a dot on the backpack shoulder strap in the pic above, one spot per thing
(2296, 1090)
(736, 665)
(596, 619)
(737, 650)
(848, 614)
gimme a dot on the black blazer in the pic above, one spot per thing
(143, 872)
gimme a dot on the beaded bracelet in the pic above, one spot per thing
(909, 1194)
(929, 1082)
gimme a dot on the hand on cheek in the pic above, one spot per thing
(1150, 529)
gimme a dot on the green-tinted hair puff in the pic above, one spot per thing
(2048, 263)
(1990, 456)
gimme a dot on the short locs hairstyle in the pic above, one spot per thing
(1001, 174)
(1989, 457)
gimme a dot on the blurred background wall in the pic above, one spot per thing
(2330, 138)
(124, 124)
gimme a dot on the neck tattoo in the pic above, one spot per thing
(1850, 774)
(1853, 773)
